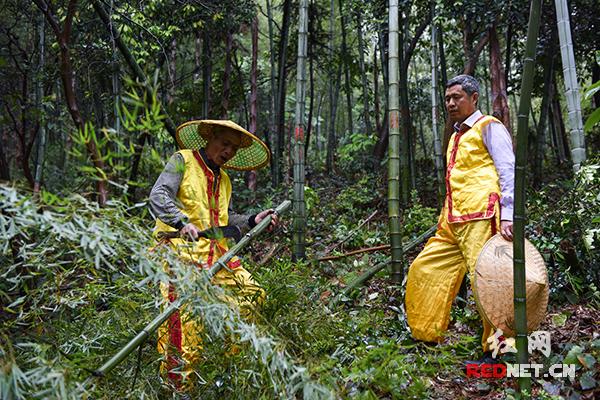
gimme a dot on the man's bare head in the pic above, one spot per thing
(462, 93)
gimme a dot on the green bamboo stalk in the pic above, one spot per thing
(162, 317)
(520, 175)
(394, 148)
(131, 62)
(577, 137)
(299, 203)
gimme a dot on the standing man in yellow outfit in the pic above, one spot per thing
(193, 194)
(478, 204)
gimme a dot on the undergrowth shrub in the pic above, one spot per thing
(564, 224)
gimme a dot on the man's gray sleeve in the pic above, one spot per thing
(163, 196)
(243, 221)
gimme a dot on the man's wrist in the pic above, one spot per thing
(252, 221)
(179, 225)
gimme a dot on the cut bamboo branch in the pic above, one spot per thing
(274, 250)
(329, 249)
(371, 273)
(141, 337)
(355, 252)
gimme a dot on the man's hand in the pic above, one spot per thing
(506, 230)
(190, 230)
(263, 214)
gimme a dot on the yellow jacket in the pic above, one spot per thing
(204, 200)
(472, 183)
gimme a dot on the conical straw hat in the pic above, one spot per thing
(494, 289)
(252, 154)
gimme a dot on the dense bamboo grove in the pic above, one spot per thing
(350, 99)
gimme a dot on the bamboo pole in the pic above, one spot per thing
(299, 203)
(577, 137)
(162, 317)
(520, 175)
(394, 147)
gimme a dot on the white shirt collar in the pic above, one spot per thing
(470, 121)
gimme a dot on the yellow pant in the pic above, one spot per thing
(435, 276)
(180, 337)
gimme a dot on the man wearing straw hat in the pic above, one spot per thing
(191, 195)
(478, 204)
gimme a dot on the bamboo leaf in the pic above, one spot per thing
(592, 120)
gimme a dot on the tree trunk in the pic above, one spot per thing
(571, 86)
(407, 157)
(596, 78)
(394, 210)
(382, 141)
(443, 72)
(227, 76)
(299, 205)
(279, 142)
(437, 144)
(405, 147)
(197, 54)
(273, 103)
(376, 107)
(509, 35)
(135, 165)
(472, 53)
(4, 166)
(520, 305)
(68, 79)
(541, 127)
(332, 100)
(332, 137)
(39, 163)
(363, 74)
(172, 71)
(251, 180)
(559, 129)
(487, 82)
(310, 50)
(318, 127)
(346, 60)
(206, 73)
(498, 84)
